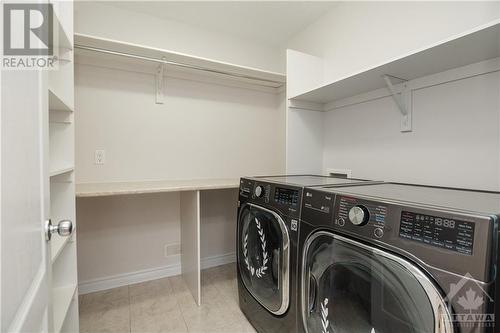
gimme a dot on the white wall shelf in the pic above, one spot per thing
(63, 37)
(104, 52)
(57, 247)
(57, 104)
(154, 186)
(473, 46)
(61, 170)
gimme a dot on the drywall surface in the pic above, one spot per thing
(202, 131)
(125, 238)
(454, 142)
(94, 18)
(354, 35)
(124, 234)
(456, 126)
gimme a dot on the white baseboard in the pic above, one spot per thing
(114, 281)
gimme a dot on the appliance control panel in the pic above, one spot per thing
(448, 233)
(246, 187)
(285, 198)
(454, 241)
(363, 217)
(317, 207)
(347, 214)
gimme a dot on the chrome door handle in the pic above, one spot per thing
(64, 228)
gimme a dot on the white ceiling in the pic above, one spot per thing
(266, 22)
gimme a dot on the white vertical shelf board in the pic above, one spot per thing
(62, 298)
(70, 324)
(304, 72)
(190, 242)
(304, 129)
(60, 92)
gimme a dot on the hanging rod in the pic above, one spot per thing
(173, 63)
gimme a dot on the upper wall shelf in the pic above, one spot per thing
(479, 44)
(113, 53)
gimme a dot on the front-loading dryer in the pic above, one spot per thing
(398, 258)
(267, 234)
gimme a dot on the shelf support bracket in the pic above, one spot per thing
(402, 100)
(160, 82)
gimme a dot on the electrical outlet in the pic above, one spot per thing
(172, 249)
(99, 156)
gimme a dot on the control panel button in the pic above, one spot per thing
(359, 215)
(378, 232)
(341, 221)
(259, 191)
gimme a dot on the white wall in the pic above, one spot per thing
(454, 142)
(203, 130)
(94, 18)
(123, 234)
(456, 127)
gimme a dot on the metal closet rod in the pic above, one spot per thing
(173, 63)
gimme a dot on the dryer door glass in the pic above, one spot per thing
(263, 257)
(351, 287)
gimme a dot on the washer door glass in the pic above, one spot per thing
(263, 257)
(350, 287)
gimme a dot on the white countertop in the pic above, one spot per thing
(153, 186)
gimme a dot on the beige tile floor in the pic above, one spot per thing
(166, 305)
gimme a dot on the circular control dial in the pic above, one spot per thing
(359, 215)
(259, 191)
(378, 232)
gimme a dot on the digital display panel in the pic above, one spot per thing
(286, 196)
(450, 234)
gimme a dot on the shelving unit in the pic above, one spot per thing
(57, 246)
(476, 45)
(154, 186)
(56, 104)
(145, 59)
(190, 214)
(61, 171)
(62, 298)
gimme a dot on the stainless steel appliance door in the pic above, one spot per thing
(348, 286)
(263, 257)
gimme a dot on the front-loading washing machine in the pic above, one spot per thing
(398, 258)
(267, 234)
